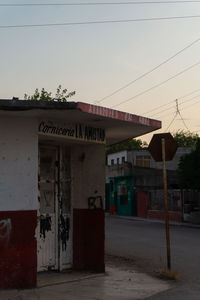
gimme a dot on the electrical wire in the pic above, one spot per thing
(179, 113)
(176, 114)
(171, 122)
(99, 22)
(98, 3)
(148, 72)
(173, 106)
(163, 105)
(157, 85)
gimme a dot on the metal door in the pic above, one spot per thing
(124, 196)
(47, 237)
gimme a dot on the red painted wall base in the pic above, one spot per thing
(18, 249)
(88, 239)
(175, 216)
(142, 204)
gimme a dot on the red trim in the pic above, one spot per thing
(88, 239)
(18, 249)
(142, 204)
(116, 114)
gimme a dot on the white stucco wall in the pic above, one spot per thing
(87, 173)
(18, 164)
(115, 156)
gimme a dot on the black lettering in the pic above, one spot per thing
(60, 130)
(41, 126)
(80, 132)
(64, 132)
(86, 132)
(53, 130)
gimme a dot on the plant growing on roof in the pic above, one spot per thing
(61, 95)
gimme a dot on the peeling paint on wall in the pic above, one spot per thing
(64, 231)
(5, 230)
(45, 225)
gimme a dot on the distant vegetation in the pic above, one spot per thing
(126, 145)
(183, 139)
(189, 169)
(186, 138)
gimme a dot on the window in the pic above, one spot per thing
(112, 162)
(143, 161)
(156, 200)
(122, 194)
(118, 160)
(123, 159)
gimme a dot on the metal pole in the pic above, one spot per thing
(166, 206)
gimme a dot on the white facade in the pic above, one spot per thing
(87, 160)
(117, 158)
(142, 158)
(18, 164)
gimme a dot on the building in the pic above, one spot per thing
(135, 184)
(52, 185)
(141, 157)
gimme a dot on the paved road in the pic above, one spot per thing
(144, 242)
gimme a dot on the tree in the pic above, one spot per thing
(185, 138)
(126, 145)
(61, 95)
(189, 169)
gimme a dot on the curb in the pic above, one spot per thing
(189, 225)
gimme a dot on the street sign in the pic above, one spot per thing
(155, 146)
(163, 147)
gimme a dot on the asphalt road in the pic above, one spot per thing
(144, 243)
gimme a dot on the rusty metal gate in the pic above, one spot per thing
(54, 241)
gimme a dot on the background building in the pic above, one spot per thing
(135, 185)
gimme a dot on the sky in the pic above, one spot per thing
(96, 60)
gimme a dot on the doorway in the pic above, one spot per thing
(54, 240)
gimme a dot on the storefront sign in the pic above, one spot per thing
(73, 131)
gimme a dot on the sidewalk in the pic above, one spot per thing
(115, 284)
(132, 218)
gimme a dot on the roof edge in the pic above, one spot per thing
(19, 105)
(116, 114)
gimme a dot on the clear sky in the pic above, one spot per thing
(96, 60)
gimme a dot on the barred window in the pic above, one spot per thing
(143, 161)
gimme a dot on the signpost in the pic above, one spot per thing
(162, 148)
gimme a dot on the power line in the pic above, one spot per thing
(99, 22)
(157, 85)
(171, 122)
(148, 72)
(98, 3)
(163, 105)
(180, 104)
(176, 114)
(173, 106)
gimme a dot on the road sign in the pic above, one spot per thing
(155, 146)
(163, 147)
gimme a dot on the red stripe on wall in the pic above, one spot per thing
(18, 249)
(88, 239)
